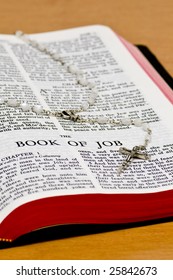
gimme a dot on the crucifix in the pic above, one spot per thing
(136, 152)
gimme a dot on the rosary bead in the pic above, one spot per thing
(91, 85)
(41, 48)
(19, 33)
(73, 69)
(91, 100)
(56, 56)
(38, 109)
(85, 106)
(83, 82)
(2, 100)
(94, 92)
(13, 102)
(25, 107)
(102, 120)
(34, 44)
(137, 122)
(126, 121)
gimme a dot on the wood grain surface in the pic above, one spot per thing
(148, 22)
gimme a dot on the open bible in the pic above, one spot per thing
(55, 171)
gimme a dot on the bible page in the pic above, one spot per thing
(44, 156)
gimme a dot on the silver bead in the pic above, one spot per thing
(25, 107)
(91, 100)
(13, 102)
(91, 85)
(41, 48)
(19, 33)
(137, 122)
(73, 69)
(2, 100)
(83, 82)
(56, 56)
(126, 121)
(33, 43)
(85, 106)
(94, 92)
(102, 120)
(38, 109)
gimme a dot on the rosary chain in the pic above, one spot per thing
(73, 114)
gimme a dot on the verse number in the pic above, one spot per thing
(133, 270)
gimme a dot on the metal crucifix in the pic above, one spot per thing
(136, 152)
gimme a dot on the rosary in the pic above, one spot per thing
(138, 152)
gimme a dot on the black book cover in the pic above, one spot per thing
(156, 64)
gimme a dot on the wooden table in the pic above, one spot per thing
(147, 22)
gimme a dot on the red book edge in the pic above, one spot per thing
(93, 208)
